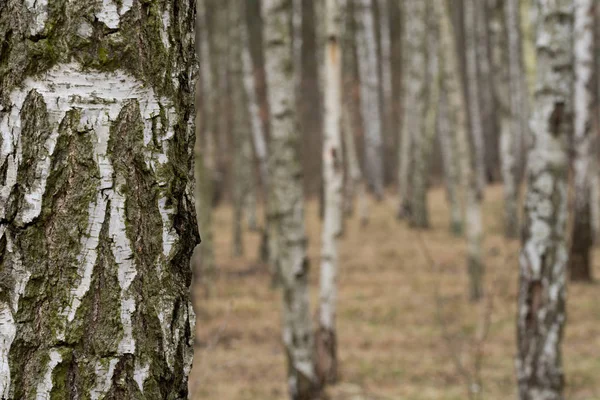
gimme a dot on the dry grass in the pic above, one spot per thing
(390, 344)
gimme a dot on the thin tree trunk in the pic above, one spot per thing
(424, 141)
(286, 209)
(518, 92)
(544, 255)
(96, 200)
(448, 145)
(584, 95)
(369, 96)
(453, 86)
(243, 177)
(333, 175)
(414, 101)
(473, 91)
(205, 153)
(508, 136)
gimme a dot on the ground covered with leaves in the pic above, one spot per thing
(398, 336)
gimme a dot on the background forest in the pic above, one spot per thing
(444, 154)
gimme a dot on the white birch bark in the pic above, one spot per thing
(97, 219)
(518, 92)
(508, 135)
(424, 141)
(333, 175)
(286, 209)
(584, 102)
(544, 256)
(449, 149)
(414, 99)
(369, 96)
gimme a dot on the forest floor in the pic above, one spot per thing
(390, 340)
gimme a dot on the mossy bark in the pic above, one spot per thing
(97, 221)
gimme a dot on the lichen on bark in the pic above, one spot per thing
(97, 222)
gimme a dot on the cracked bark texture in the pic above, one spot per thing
(370, 103)
(544, 256)
(333, 176)
(414, 99)
(584, 108)
(97, 221)
(285, 205)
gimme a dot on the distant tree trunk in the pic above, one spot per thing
(595, 163)
(584, 95)
(453, 86)
(473, 91)
(424, 140)
(544, 255)
(449, 149)
(205, 167)
(333, 175)
(243, 174)
(369, 96)
(508, 137)
(414, 99)
(396, 21)
(518, 92)
(489, 118)
(286, 208)
(385, 83)
(97, 221)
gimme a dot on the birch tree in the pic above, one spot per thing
(508, 132)
(369, 95)
(544, 255)
(452, 85)
(286, 209)
(97, 219)
(243, 182)
(584, 108)
(424, 141)
(473, 85)
(205, 166)
(333, 175)
(414, 100)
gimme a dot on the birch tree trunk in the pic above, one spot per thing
(473, 90)
(286, 209)
(544, 256)
(424, 140)
(97, 221)
(414, 99)
(449, 149)
(518, 92)
(333, 175)
(508, 136)
(453, 86)
(369, 96)
(584, 95)
(243, 182)
(205, 165)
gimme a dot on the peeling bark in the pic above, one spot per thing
(287, 234)
(544, 256)
(96, 203)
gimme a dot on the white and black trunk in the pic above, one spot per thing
(97, 221)
(544, 256)
(287, 236)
